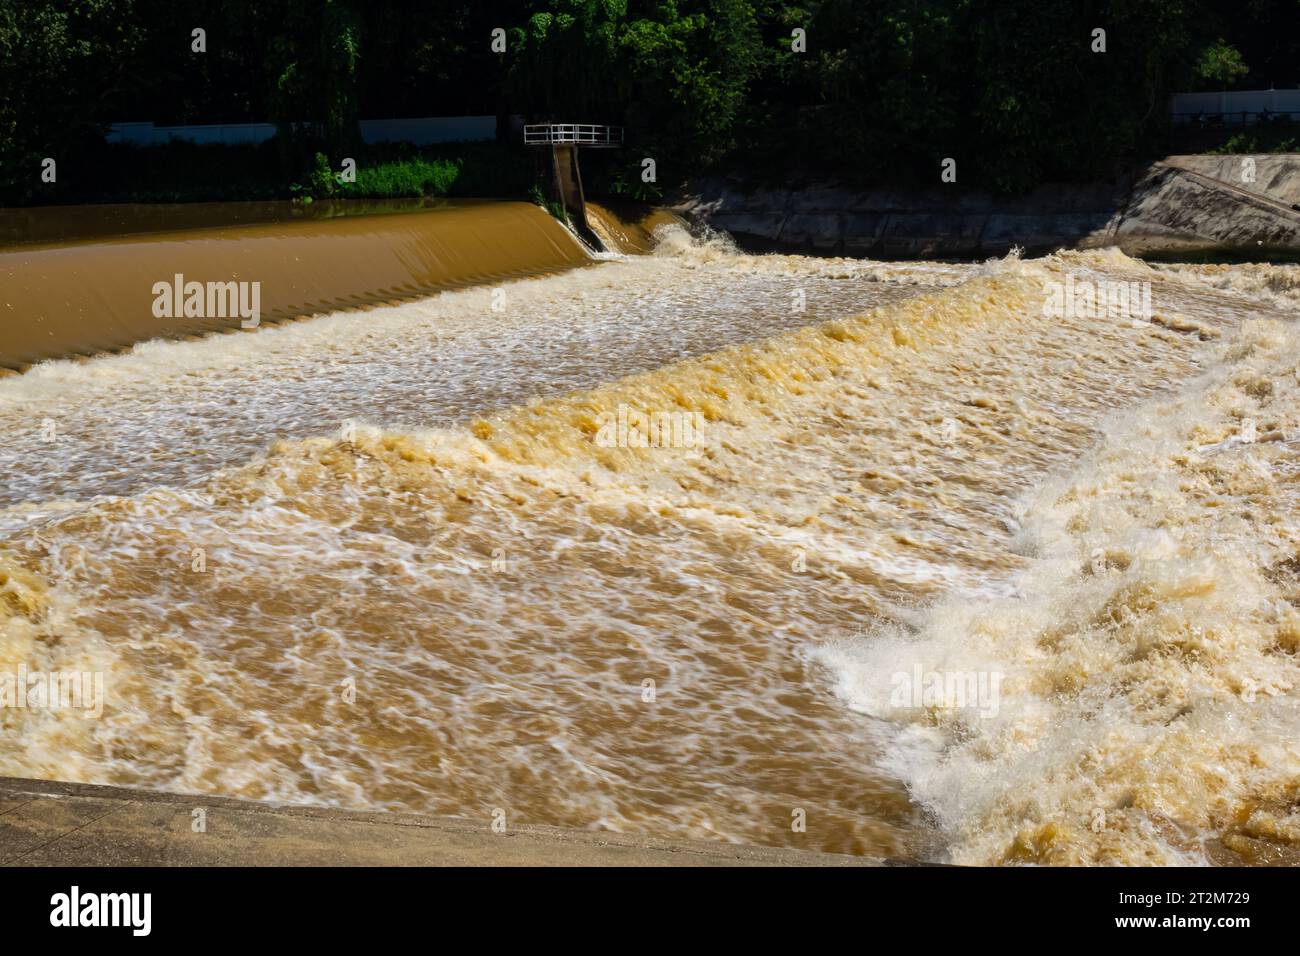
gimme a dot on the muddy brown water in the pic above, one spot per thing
(390, 560)
(71, 289)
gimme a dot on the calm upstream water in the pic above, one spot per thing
(392, 560)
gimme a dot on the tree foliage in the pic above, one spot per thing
(1014, 90)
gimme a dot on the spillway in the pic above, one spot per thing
(432, 558)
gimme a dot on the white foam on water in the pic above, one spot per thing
(932, 476)
(1150, 692)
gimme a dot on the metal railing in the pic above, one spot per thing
(572, 134)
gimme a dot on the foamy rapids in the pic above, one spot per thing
(386, 561)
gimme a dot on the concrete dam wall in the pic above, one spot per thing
(101, 293)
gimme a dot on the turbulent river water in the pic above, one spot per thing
(392, 559)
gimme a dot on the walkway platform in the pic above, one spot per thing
(573, 134)
(559, 172)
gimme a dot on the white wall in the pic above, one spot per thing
(421, 132)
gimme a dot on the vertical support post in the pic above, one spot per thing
(568, 189)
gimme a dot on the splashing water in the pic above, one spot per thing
(482, 593)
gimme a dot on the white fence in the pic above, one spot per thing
(421, 132)
(1238, 108)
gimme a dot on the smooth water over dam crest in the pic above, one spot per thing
(68, 289)
(423, 584)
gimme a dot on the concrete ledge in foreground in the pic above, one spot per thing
(46, 823)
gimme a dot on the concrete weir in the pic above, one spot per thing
(45, 823)
(103, 293)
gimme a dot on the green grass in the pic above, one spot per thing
(412, 177)
(403, 171)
